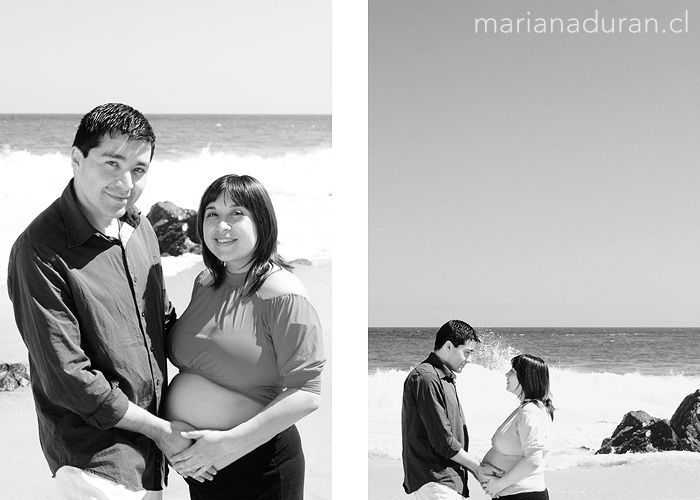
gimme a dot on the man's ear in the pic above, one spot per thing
(76, 157)
(449, 345)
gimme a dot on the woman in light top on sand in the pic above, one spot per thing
(521, 443)
(250, 352)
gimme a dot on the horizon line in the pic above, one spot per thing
(175, 113)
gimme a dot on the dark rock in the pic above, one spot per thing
(301, 262)
(662, 437)
(685, 422)
(176, 229)
(639, 432)
(8, 384)
(13, 376)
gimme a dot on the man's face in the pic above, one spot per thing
(111, 178)
(459, 356)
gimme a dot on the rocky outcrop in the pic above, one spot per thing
(639, 432)
(176, 229)
(685, 422)
(13, 376)
(301, 262)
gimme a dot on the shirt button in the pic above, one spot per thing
(157, 382)
(143, 314)
(152, 349)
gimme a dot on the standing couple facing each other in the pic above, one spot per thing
(87, 288)
(434, 432)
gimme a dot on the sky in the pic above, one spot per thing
(166, 56)
(533, 179)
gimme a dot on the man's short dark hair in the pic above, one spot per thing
(113, 119)
(456, 331)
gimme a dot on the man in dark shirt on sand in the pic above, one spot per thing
(433, 430)
(88, 293)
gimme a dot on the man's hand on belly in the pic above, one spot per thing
(175, 443)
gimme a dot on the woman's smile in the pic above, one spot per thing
(224, 241)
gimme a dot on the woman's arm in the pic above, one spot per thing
(534, 443)
(525, 467)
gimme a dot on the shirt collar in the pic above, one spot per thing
(78, 228)
(445, 372)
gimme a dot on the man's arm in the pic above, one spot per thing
(431, 410)
(45, 315)
(471, 463)
(440, 434)
(165, 434)
(481, 471)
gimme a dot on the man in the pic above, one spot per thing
(87, 288)
(433, 430)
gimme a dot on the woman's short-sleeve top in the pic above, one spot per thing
(526, 433)
(258, 345)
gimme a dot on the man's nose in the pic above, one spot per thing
(126, 181)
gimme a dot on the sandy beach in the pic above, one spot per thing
(27, 475)
(676, 479)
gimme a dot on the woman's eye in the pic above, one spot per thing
(210, 214)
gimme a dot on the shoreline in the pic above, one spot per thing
(674, 479)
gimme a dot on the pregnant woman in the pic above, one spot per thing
(250, 352)
(521, 443)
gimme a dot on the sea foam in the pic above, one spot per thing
(588, 408)
(300, 186)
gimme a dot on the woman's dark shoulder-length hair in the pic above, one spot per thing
(247, 192)
(533, 376)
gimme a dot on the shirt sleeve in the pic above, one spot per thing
(45, 314)
(432, 410)
(534, 436)
(297, 337)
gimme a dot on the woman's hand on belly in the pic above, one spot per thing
(211, 449)
(206, 475)
(207, 408)
(284, 411)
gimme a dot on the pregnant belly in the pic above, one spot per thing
(196, 400)
(503, 462)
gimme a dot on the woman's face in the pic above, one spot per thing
(512, 383)
(230, 233)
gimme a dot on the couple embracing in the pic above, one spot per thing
(434, 433)
(88, 292)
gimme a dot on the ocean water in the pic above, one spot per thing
(597, 375)
(291, 155)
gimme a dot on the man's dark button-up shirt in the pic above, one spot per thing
(93, 313)
(433, 429)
